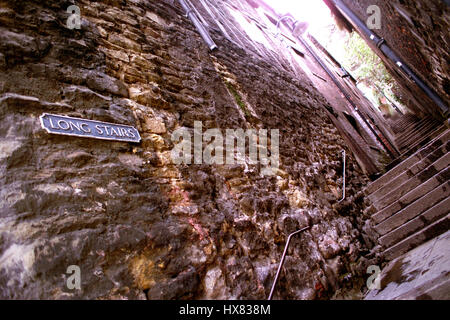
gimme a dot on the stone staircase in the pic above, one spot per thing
(410, 204)
(410, 130)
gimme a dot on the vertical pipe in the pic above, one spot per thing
(200, 28)
(205, 23)
(218, 23)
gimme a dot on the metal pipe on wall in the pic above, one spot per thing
(381, 43)
(200, 28)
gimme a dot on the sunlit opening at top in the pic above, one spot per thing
(315, 12)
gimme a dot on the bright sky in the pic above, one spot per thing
(315, 12)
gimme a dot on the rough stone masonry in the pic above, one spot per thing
(137, 225)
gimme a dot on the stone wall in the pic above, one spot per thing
(137, 225)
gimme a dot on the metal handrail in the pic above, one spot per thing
(282, 260)
(343, 177)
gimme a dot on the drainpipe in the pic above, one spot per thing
(200, 28)
(381, 44)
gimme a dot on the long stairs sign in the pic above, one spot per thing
(69, 126)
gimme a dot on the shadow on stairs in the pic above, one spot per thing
(410, 204)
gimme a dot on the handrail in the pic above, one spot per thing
(343, 177)
(282, 260)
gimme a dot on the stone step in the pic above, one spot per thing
(415, 134)
(410, 172)
(408, 150)
(408, 124)
(414, 128)
(414, 137)
(439, 291)
(409, 180)
(429, 216)
(407, 118)
(404, 147)
(406, 127)
(435, 229)
(400, 129)
(409, 162)
(422, 273)
(411, 205)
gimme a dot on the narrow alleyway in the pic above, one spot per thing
(166, 150)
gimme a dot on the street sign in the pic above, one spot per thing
(69, 126)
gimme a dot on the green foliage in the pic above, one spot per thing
(238, 99)
(367, 67)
